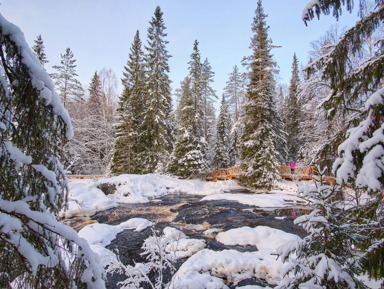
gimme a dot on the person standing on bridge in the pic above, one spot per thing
(292, 167)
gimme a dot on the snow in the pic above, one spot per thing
(180, 245)
(208, 267)
(308, 7)
(262, 200)
(99, 236)
(85, 199)
(39, 77)
(262, 237)
(38, 220)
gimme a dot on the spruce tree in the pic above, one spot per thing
(187, 160)
(223, 139)
(209, 94)
(292, 118)
(325, 258)
(35, 247)
(358, 91)
(235, 90)
(158, 132)
(195, 74)
(65, 79)
(197, 92)
(129, 143)
(39, 50)
(258, 151)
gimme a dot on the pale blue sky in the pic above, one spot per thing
(100, 32)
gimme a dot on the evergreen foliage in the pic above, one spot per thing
(292, 120)
(223, 139)
(234, 91)
(39, 50)
(358, 91)
(34, 125)
(158, 132)
(258, 150)
(326, 257)
(209, 93)
(129, 143)
(69, 87)
(187, 159)
(195, 74)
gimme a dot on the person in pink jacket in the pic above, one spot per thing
(292, 168)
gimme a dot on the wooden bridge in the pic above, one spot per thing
(300, 173)
(223, 174)
(303, 173)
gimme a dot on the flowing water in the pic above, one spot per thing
(192, 216)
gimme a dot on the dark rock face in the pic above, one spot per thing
(192, 216)
(107, 188)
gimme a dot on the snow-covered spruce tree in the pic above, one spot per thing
(360, 90)
(195, 75)
(36, 251)
(158, 130)
(209, 94)
(326, 257)
(258, 150)
(39, 50)
(292, 120)
(69, 87)
(187, 160)
(91, 130)
(128, 142)
(223, 138)
(209, 97)
(234, 91)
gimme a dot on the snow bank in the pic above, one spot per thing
(208, 267)
(275, 200)
(131, 187)
(180, 245)
(99, 236)
(85, 200)
(261, 237)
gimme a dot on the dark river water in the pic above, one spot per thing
(192, 216)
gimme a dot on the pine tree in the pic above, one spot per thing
(292, 121)
(258, 151)
(128, 143)
(39, 50)
(65, 79)
(223, 139)
(35, 247)
(187, 160)
(157, 120)
(359, 92)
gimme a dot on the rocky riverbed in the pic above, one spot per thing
(194, 217)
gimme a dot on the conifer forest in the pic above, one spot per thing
(156, 138)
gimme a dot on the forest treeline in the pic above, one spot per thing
(260, 124)
(332, 113)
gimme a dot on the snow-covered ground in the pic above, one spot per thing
(204, 268)
(85, 198)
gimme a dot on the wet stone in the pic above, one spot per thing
(192, 216)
